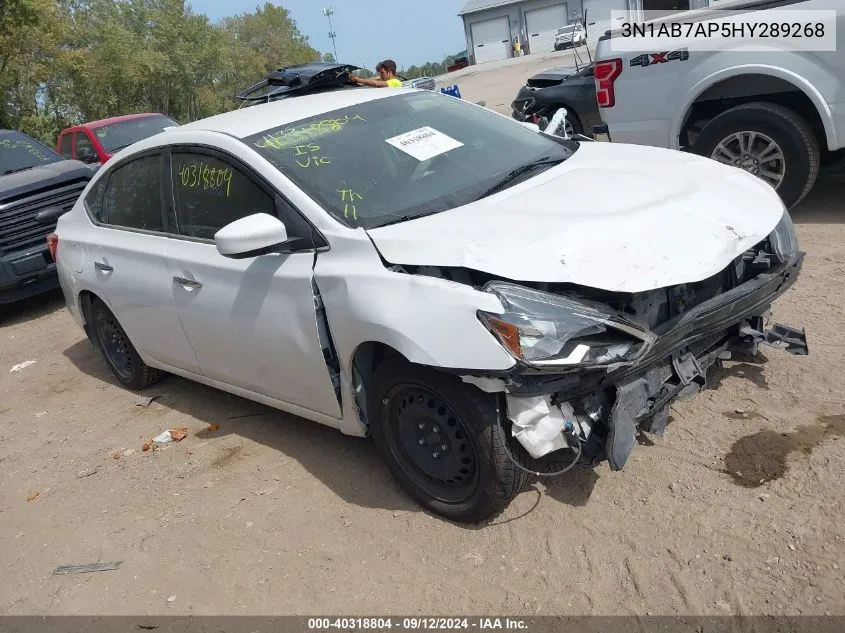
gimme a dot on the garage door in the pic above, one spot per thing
(542, 24)
(491, 39)
(598, 17)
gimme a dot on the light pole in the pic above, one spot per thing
(329, 12)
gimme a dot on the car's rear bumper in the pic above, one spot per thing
(26, 273)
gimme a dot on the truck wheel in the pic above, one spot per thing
(573, 123)
(119, 353)
(768, 140)
(438, 437)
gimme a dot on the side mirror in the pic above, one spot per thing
(50, 215)
(531, 126)
(254, 235)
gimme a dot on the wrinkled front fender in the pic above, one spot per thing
(428, 320)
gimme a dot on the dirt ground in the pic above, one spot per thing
(737, 509)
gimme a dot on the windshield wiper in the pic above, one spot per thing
(14, 171)
(516, 173)
(405, 218)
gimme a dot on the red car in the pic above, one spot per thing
(96, 141)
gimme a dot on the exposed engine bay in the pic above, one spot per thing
(595, 413)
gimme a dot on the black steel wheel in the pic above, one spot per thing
(438, 437)
(432, 443)
(117, 350)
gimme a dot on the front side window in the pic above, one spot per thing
(209, 193)
(402, 156)
(133, 195)
(115, 136)
(84, 148)
(19, 152)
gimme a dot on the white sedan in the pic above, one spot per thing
(485, 301)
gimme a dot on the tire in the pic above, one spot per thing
(571, 116)
(117, 350)
(574, 121)
(789, 131)
(477, 479)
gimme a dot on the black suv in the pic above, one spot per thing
(36, 187)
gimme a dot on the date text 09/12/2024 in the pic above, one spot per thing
(416, 623)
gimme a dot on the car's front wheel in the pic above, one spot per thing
(117, 350)
(768, 140)
(438, 436)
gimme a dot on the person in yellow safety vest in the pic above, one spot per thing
(387, 76)
(517, 47)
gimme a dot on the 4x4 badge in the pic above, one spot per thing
(649, 59)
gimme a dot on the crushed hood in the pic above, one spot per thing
(617, 217)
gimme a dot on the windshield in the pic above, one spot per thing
(19, 152)
(116, 136)
(566, 29)
(403, 156)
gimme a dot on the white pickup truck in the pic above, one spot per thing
(773, 113)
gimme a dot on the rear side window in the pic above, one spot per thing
(209, 193)
(133, 195)
(65, 148)
(94, 199)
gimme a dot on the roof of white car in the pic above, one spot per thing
(257, 118)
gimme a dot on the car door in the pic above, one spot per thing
(84, 149)
(251, 322)
(128, 251)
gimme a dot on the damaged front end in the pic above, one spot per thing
(596, 368)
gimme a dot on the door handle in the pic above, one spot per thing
(188, 284)
(104, 267)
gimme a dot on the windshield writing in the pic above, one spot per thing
(294, 135)
(401, 156)
(19, 152)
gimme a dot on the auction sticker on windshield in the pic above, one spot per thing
(424, 143)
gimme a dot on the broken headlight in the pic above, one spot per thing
(543, 329)
(783, 240)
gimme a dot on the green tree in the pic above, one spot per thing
(328, 58)
(70, 61)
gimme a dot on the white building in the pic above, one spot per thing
(492, 26)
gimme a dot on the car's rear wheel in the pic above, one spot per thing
(767, 140)
(573, 123)
(438, 437)
(117, 350)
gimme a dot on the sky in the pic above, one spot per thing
(368, 31)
